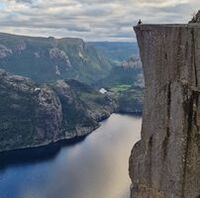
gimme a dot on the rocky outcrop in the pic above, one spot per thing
(100, 106)
(30, 115)
(33, 115)
(76, 114)
(4, 52)
(56, 53)
(165, 163)
(196, 18)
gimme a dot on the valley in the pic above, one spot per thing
(41, 106)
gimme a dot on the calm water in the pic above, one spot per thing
(97, 167)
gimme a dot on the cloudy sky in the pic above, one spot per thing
(109, 20)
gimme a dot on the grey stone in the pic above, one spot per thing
(165, 163)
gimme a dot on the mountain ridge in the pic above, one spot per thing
(35, 114)
(48, 59)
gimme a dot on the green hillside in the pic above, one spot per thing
(117, 51)
(50, 59)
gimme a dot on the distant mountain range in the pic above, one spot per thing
(129, 73)
(50, 59)
(117, 51)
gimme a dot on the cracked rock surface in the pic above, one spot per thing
(165, 163)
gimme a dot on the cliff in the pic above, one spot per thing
(33, 115)
(165, 163)
(50, 59)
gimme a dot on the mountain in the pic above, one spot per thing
(50, 59)
(35, 114)
(129, 72)
(126, 83)
(50, 103)
(100, 105)
(117, 51)
(129, 98)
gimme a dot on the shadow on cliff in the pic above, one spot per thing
(35, 155)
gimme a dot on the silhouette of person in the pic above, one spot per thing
(139, 22)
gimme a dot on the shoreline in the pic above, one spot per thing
(58, 144)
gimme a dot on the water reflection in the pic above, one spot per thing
(35, 155)
(94, 168)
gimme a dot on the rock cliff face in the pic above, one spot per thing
(33, 115)
(166, 162)
(51, 59)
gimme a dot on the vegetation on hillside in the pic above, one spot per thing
(50, 59)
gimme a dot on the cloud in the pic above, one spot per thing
(24, 1)
(21, 1)
(90, 19)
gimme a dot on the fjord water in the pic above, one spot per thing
(96, 167)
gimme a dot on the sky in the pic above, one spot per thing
(92, 20)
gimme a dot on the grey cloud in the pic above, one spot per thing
(22, 1)
(91, 19)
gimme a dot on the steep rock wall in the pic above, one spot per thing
(166, 162)
(33, 115)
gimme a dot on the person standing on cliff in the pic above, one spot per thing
(139, 22)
